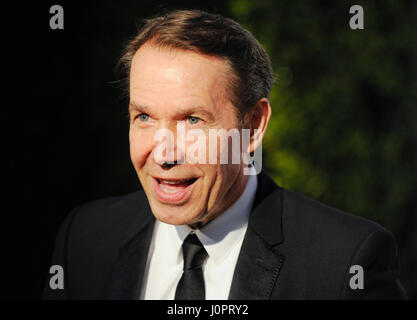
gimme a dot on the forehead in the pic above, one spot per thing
(176, 74)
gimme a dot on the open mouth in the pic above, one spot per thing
(174, 186)
(173, 191)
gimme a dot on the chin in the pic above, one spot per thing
(175, 215)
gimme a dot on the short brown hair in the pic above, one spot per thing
(214, 35)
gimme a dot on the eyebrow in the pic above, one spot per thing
(138, 107)
(180, 111)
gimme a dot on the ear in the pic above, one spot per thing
(258, 119)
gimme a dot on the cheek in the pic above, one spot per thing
(140, 147)
(214, 182)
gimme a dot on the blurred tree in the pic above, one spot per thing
(343, 129)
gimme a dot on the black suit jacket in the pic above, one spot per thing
(294, 248)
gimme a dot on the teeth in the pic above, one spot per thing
(174, 186)
(171, 182)
(166, 190)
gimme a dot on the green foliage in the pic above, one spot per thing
(343, 129)
(340, 99)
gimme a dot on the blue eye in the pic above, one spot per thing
(143, 117)
(193, 120)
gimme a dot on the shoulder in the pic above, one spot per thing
(300, 217)
(321, 244)
(112, 209)
(322, 222)
(89, 241)
(305, 222)
(105, 221)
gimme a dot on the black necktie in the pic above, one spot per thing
(191, 284)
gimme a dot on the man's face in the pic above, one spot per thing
(170, 87)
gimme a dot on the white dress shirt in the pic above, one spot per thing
(222, 238)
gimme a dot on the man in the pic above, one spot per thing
(208, 229)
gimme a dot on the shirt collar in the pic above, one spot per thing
(222, 234)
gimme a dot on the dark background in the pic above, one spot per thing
(344, 127)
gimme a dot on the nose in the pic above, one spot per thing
(167, 166)
(168, 151)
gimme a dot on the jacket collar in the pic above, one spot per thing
(266, 216)
(129, 267)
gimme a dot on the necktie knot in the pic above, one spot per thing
(193, 252)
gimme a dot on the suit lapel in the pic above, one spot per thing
(129, 268)
(256, 271)
(259, 262)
